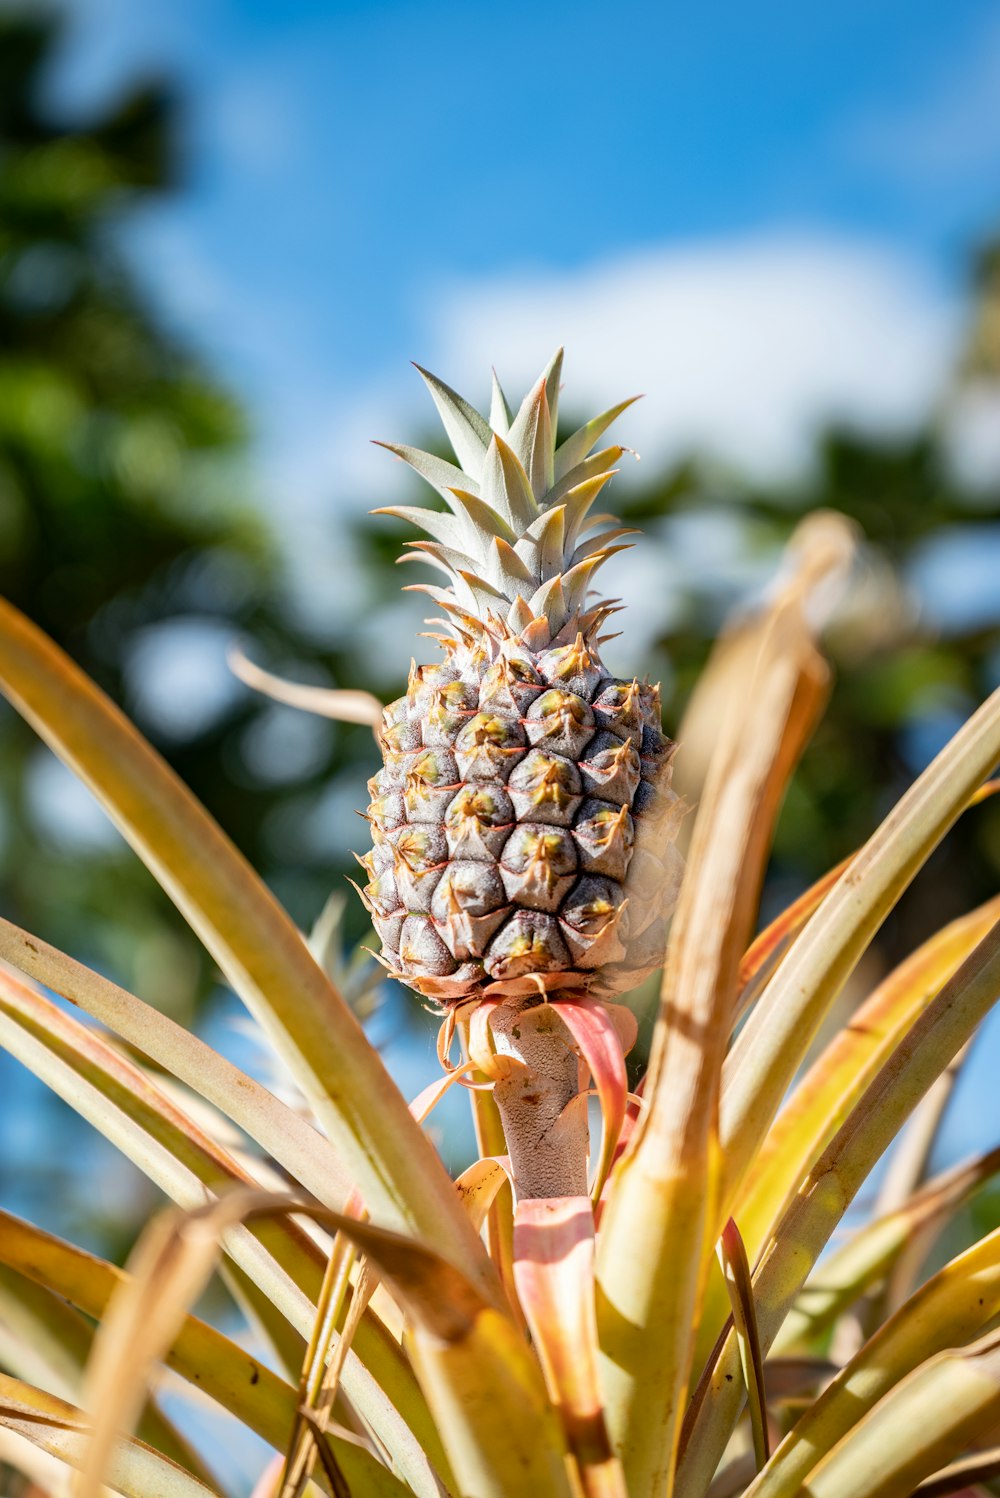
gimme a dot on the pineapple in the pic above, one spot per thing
(521, 819)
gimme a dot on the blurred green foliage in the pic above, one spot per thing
(906, 672)
(127, 531)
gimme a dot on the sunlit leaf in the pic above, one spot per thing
(284, 1134)
(500, 1431)
(927, 1420)
(343, 706)
(951, 1309)
(226, 1373)
(135, 1470)
(870, 1253)
(660, 1223)
(939, 1034)
(280, 1260)
(250, 936)
(145, 1316)
(736, 1272)
(769, 948)
(44, 1341)
(830, 1088)
(961, 1476)
(778, 1031)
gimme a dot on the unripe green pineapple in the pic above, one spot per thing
(521, 820)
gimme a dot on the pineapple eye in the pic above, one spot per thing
(562, 705)
(573, 658)
(412, 847)
(551, 786)
(431, 769)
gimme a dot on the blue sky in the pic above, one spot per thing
(370, 183)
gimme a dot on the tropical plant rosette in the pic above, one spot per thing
(662, 1320)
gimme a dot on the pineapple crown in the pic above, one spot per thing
(518, 541)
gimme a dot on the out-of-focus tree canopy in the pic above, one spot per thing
(126, 531)
(982, 354)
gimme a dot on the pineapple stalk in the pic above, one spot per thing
(545, 1129)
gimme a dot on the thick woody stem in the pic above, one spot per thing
(547, 1143)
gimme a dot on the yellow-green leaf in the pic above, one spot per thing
(824, 1096)
(870, 1253)
(250, 936)
(44, 1341)
(736, 1272)
(779, 1029)
(923, 1053)
(662, 1218)
(951, 1309)
(286, 1136)
(277, 1257)
(933, 1415)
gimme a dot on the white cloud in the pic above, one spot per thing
(743, 348)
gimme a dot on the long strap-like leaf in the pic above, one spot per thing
(255, 943)
(825, 1095)
(219, 1368)
(554, 1270)
(136, 1470)
(871, 1253)
(45, 1341)
(286, 1136)
(936, 1413)
(951, 1309)
(661, 1222)
(282, 1262)
(940, 1032)
(777, 1034)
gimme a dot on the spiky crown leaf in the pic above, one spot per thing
(519, 542)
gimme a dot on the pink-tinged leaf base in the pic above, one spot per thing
(603, 1033)
(554, 1274)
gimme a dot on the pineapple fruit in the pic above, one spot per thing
(521, 818)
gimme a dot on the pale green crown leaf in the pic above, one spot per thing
(501, 415)
(519, 506)
(468, 432)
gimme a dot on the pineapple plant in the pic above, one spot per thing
(668, 1323)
